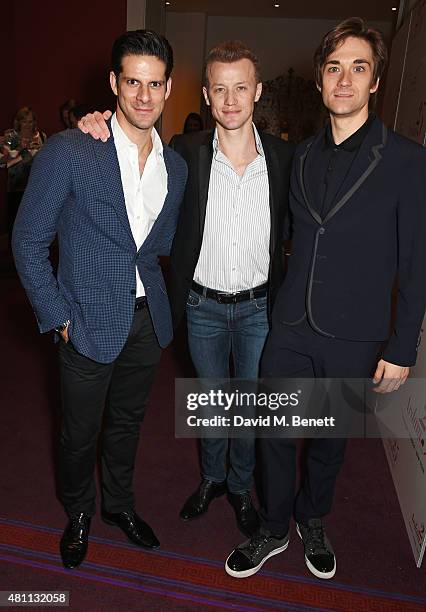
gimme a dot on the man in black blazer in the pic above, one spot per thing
(226, 259)
(358, 208)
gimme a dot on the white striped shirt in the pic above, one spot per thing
(234, 252)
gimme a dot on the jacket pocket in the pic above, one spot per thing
(91, 295)
(95, 306)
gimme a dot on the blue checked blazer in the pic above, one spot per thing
(75, 192)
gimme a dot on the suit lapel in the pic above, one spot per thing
(205, 157)
(110, 171)
(272, 165)
(366, 160)
(304, 160)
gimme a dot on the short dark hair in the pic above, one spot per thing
(358, 28)
(141, 42)
(229, 52)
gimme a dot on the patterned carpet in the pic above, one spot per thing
(376, 569)
(184, 578)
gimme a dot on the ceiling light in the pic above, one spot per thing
(394, 8)
(277, 5)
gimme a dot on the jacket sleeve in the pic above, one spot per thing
(411, 294)
(35, 228)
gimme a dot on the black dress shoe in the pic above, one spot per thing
(247, 517)
(74, 541)
(199, 501)
(134, 527)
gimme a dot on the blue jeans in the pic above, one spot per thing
(215, 331)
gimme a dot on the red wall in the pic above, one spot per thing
(7, 86)
(54, 50)
(60, 50)
(7, 91)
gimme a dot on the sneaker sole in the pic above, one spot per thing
(253, 570)
(312, 568)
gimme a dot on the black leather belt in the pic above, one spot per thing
(141, 303)
(231, 298)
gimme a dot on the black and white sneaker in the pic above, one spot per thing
(248, 558)
(319, 555)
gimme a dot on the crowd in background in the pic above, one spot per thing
(21, 143)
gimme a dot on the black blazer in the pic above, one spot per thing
(343, 267)
(197, 150)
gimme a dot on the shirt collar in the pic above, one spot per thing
(259, 145)
(354, 141)
(123, 142)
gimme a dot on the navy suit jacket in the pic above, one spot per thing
(343, 267)
(75, 192)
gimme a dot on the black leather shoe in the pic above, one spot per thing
(247, 517)
(199, 501)
(74, 541)
(134, 527)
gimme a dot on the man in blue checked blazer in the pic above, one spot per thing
(114, 207)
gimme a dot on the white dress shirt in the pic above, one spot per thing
(234, 252)
(144, 194)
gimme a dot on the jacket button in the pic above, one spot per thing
(132, 291)
(322, 230)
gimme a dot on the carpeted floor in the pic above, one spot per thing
(376, 569)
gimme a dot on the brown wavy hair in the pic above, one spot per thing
(357, 28)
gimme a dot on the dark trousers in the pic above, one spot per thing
(112, 397)
(299, 352)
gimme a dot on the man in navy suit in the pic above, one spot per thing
(114, 208)
(358, 208)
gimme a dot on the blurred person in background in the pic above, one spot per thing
(18, 148)
(76, 113)
(193, 123)
(64, 111)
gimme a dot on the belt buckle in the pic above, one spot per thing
(226, 298)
